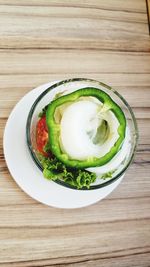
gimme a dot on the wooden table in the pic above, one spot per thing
(42, 41)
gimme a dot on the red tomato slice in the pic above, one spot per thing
(41, 135)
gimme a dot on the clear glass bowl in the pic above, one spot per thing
(68, 86)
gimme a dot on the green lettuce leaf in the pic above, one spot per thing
(107, 175)
(43, 112)
(53, 169)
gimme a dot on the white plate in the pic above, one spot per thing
(26, 173)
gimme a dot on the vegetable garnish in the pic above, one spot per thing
(54, 169)
(42, 135)
(89, 131)
(78, 134)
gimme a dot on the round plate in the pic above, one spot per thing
(26, 173)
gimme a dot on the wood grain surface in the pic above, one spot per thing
(148, 12)
(42, 41)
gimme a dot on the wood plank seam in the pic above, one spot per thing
(148, 13)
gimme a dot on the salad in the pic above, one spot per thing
(82, 137)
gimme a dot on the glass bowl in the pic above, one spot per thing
(68, 86)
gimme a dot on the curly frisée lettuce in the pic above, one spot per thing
(53, 169)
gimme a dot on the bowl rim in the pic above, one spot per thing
(29, 142)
